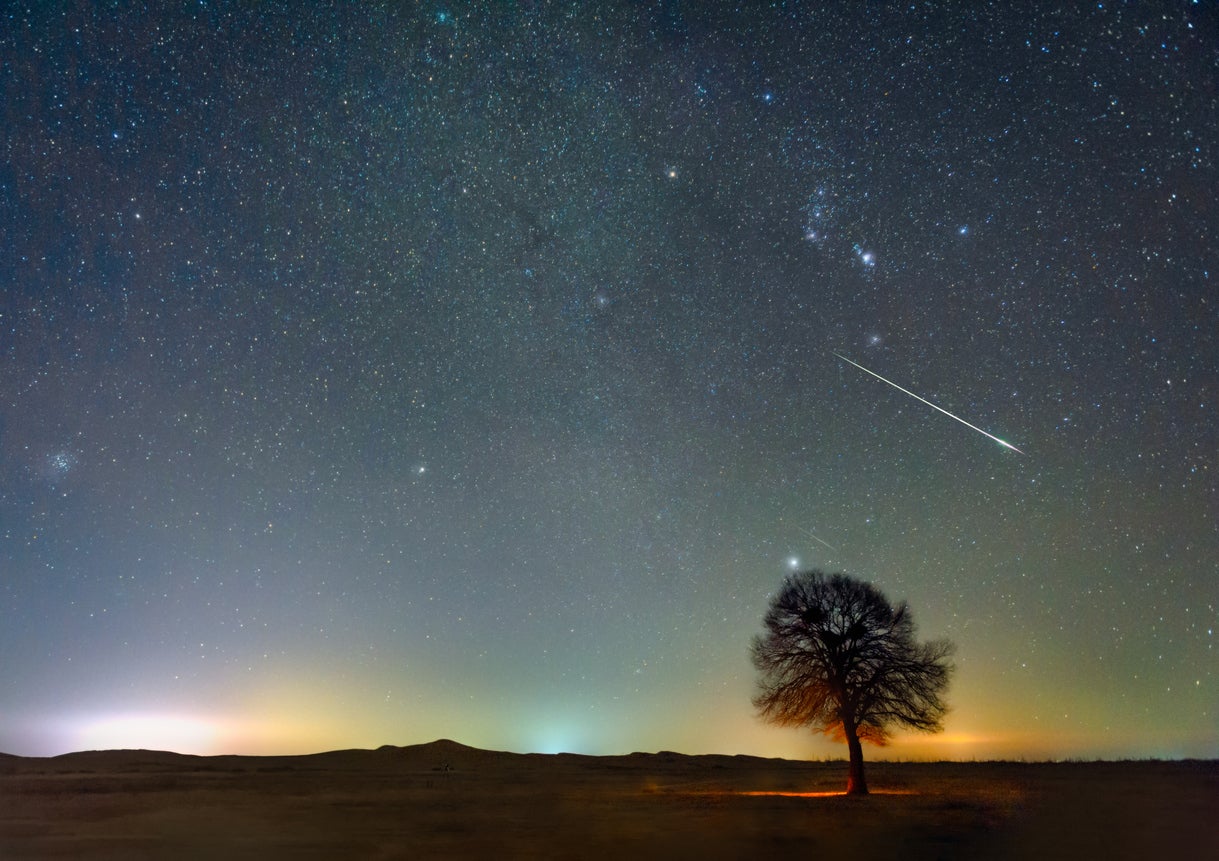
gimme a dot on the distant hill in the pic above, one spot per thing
(440, 755)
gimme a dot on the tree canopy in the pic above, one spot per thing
(836, 656)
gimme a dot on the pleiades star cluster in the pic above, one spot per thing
(378, 372)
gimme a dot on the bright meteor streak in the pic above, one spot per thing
(815, 538)
(930, 404)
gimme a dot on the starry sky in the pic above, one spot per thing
(374, 373)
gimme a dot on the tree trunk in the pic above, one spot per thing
(856, 784)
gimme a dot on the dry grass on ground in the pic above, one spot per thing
(444, 800)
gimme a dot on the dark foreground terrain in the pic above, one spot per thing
(444, 800)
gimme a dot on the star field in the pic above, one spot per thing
(379, 373)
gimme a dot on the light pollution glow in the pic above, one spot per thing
(293, 719)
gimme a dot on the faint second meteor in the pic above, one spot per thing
(1003, 443)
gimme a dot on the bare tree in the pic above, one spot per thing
(838, 657)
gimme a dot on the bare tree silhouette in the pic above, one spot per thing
(838, 657)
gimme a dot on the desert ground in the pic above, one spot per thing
(445, 800)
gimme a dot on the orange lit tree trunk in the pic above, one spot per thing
(856, 784)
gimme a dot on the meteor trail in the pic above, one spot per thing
(815, 538)
(930, 404)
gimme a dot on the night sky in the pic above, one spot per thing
(389, 372)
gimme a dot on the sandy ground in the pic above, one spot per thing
(443, 800)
